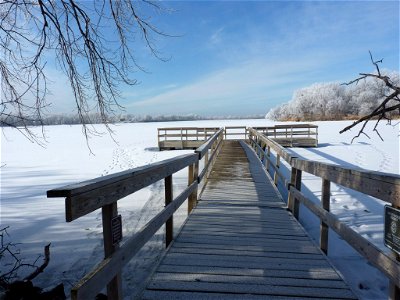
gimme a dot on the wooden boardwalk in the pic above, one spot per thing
(240, 242)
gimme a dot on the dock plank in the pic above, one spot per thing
(240, 242)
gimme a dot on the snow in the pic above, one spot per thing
(29, 170)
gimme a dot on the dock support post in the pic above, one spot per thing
(114, 287)
(192, 176)
(278, 162)
(324, 228)
(394, 289)
(290, 200)
(297, 185)
(169, 225)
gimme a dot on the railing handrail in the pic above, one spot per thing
(287, 126)
(384, 186)
(371, 179)
(188, 128)
(203, 150)
(87, 196)
(110, 266)
(104, 192)
(207, 145)
(92, 184)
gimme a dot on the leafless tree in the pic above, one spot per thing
(93, 43)
(389, 106)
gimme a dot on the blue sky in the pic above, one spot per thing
(241, 57)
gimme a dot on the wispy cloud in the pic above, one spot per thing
(253, 80)
(216, 36)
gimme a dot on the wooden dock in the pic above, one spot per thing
(240, 242)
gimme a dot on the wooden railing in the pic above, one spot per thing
(235, 132)
(104, 192)
(192, 137)
(185, 133)
(290, 135)
(380, 185)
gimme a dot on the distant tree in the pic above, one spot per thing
(92, 42)
(387, 107)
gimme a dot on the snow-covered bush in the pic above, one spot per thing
(332, 101)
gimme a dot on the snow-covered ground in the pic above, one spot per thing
(29, 170)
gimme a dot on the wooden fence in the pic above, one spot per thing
(235, 132)
(104, 192)
(193, 137)
(292, 135)
(380, 185)
(184, 137)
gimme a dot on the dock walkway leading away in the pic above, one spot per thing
(240, 242)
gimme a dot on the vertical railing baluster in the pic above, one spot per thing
(290, 201)
(394, 288)
(114, 287)
(278, 162)
(169, 225)
(297, 185)
(324, 228)
(268, 157)
(192, 176)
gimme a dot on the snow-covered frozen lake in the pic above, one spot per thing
(29, 170)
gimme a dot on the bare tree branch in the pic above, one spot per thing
(43, 266)
(383, 111)
(93, 42)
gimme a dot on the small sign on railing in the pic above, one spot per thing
(116, 225)
(392, 228)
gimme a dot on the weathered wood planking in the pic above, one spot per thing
(240, 242)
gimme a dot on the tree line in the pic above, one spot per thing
(95, 118)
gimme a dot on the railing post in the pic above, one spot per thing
(169, 225)
(278, 162)
(262, 152)
(291, 136)
(268, 157)
(114, 287)
(158, 137)
(394, 289)
(290, 200)
(193, 173)
(324, 228)
(297, 185)
(206, 157)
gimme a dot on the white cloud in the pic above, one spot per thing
(250, 80)
(216, 37)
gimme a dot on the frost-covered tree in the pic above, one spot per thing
(320, 101)
(334, 101)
